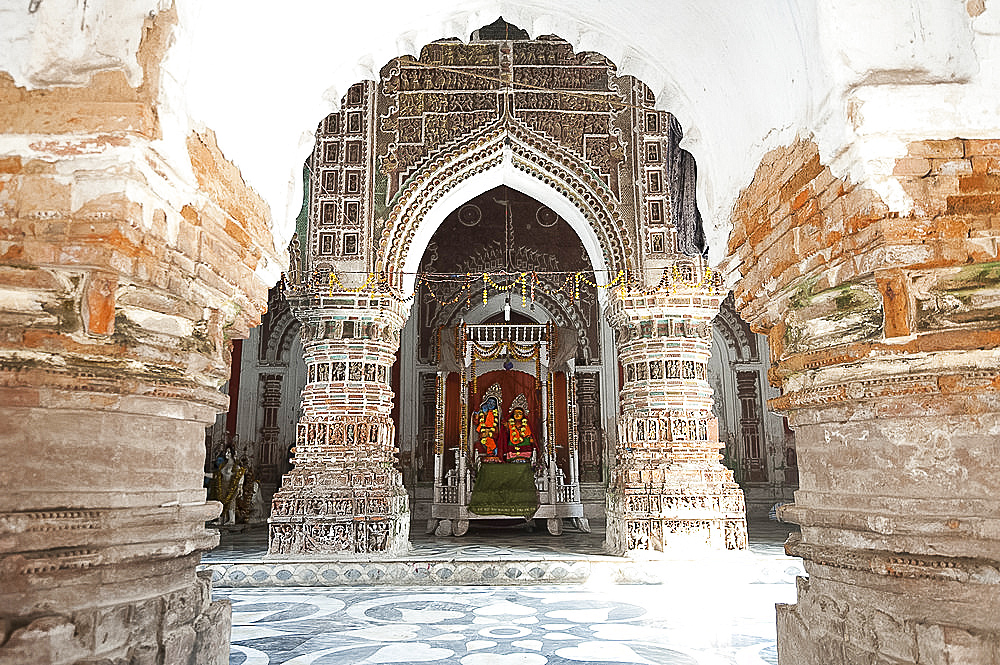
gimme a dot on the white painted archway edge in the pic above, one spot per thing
(504, 173)
(860, 77)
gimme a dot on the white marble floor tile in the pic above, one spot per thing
(731, 625)
(714, 612)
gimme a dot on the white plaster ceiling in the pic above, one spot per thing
(742, 76)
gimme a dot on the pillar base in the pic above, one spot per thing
(674, 520)
(853, 616)
(340, 523)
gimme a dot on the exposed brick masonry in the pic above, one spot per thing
(120, 288)
(884, 332)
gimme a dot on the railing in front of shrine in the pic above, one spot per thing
(567, 493)
(448, 494)
(564, 493)
(520, 334)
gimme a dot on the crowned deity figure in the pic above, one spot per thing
(226, 485)
(521, 441)
(486, 423)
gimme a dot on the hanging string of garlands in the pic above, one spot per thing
(462, 286)
(450, 288)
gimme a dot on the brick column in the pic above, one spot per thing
(121, 283)
(345, 494)
(668, 488)
(886, 345)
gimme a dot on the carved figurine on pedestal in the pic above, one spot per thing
(226, 486)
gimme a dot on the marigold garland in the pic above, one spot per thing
(674, 277)
(521, 352)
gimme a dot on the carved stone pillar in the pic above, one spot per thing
(898, 508)
(668, 488)
(885, 343)
(345, 495)
(123, 275)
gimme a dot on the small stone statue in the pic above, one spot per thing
(226, 485)
(257, 509)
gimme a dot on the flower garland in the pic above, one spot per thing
(439, 423)
(550, 411)
(673, 280)
(465, 445)
(527, 282)
(334, 279)
(234, 485)
(427, 284)
(674, 277)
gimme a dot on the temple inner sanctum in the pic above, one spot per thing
(499, 332)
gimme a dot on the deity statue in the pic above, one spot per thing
(226, 485)
(520, 438)
(486, 423)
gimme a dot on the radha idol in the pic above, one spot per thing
(520, 440)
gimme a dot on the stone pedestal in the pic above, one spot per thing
(668, 489)
(345, 494)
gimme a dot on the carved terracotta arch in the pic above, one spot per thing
(736, 333)
(506, 142)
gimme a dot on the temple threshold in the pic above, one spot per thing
(528, 557)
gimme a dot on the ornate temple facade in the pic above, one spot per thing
(614, 263)
(757, 444)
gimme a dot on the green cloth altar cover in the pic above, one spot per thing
(504, 489)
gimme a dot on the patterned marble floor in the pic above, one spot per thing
(488, 555)
(716, 611)
(506, 626)
(487, 542)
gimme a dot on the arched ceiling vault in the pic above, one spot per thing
(742, 77)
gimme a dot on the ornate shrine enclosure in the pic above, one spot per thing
(515, 453)
(610, 217)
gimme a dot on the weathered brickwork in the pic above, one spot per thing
(884, 335)
(804, 238)
(121, 284)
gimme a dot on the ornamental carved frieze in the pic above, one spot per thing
(887, 386)
(531, 154)
(568, 120)
(456, 88)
